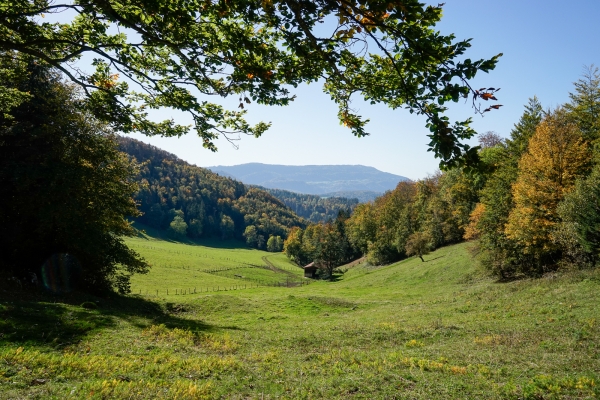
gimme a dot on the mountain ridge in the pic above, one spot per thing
(312, 179)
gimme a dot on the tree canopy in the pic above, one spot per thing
(187, 200)
(66, 190)
(178, 53)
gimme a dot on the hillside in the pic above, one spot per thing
(312, 179)
(312, 207)
(432, 330)
(363, 196)
(186, 200)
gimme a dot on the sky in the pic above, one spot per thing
(545, 46)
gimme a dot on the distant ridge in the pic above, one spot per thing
(313, 179)
(363, 196)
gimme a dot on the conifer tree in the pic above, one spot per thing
(501, 255)
(584, 106)
(524, 129)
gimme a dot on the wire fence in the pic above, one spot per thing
(218, 288)
(292, 277)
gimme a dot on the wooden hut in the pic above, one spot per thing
(310, 270)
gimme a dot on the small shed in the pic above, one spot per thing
(310, 270)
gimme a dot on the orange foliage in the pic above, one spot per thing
(556, 157)
(472, 230)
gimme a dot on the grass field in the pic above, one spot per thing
(432, 330)
(208, 266)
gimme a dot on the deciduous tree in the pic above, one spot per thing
(557, 155)
(64, 186)
(418, 244)
(251, 235)
(274, 244)
(178, 53)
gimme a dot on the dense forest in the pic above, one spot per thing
(531, 207)
(312, 207)
(186, 200)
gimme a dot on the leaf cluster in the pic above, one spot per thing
(174, 54)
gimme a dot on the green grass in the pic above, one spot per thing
(208, 265)
(432, 330)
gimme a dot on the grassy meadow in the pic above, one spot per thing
(411, 330)
(209, 266)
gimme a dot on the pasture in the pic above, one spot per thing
(434, 330)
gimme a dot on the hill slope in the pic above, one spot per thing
(432, 330)
(196, 202)
(313, 179)
(312, 207)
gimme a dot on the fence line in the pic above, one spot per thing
(207, 289)
(292, 280)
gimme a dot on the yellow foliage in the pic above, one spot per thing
(472, 230)
(557, 155)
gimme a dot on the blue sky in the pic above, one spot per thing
(545, 44)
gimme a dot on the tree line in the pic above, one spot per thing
(311, 207)
(531, 207)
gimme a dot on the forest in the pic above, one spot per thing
(193, 202)
(532, 207)
(312, 207)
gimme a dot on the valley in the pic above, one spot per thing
(434, 330)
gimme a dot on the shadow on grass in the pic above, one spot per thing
(45, 320)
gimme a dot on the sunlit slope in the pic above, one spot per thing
(412, 330)
(434, 329)
(448, 268)
(207, 266)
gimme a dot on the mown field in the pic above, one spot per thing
(433, 330)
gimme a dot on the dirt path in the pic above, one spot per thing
(279, 270)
